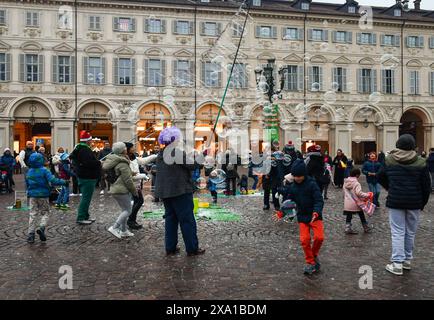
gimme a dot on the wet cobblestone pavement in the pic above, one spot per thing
(254, 258)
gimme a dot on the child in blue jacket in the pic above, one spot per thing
(38, 182)
(212, 187)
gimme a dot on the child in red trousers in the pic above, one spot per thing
(304, 191)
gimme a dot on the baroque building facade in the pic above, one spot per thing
(355, 77)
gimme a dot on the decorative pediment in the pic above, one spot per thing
(154, 52)
(367, 61)
(293, 58)
(318, 59)
(241, 55)
(63, 47)
(414, 64)
(265, 56)
(183, 53)
(4, 46)
(94, 49)
(432, 66)
(124, 51)
(342, 60)
(31, 46)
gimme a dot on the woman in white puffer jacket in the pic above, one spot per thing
(135, 164)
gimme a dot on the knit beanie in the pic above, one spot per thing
(298, 168)
(406, 142)
(119, 147)
(129, 145)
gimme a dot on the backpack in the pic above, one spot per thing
(111, 176)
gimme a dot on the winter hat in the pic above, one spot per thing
(129, 145)
(168, 135)
(85, 136)
(290, 144)
(119, 147)
(314, 148)
(7, 149)
(298, 168)
(406, 142)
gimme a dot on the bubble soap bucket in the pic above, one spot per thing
(196, 205)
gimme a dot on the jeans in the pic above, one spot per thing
(87, 187)
(63, 197)
(124, 201)
(138, 202)
(403, 226)
(179, 211)
(40, 207)
(375, 189)
(255, 182)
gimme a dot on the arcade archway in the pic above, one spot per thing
(412, 122)
(206, 117)
(93, 117)
(316, 129)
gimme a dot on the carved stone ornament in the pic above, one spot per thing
(64, 105)
(3, 29)
(155, 38)
(125, 36)
(391, 113)
(3, 104)
(33, 88)
(94, 35)
(184, 107)
(62, 33)
(32, 32)
(239, 109)
(183, 40)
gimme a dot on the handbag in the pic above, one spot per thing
(343, 165)
(367, 206)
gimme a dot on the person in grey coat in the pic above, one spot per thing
(174, 185)
(122, 189)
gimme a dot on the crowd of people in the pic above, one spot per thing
(303, 179)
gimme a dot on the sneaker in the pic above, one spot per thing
(309, 269)
(92, 219)
(84, 222)
(198, 252)
(57, 206)
(127, 233)
(406, 265)
(349, 230)
(171, 253)
(41, 233)
(73, 194)
(134, 225)
(266, 208)
(64, 207)
(102, 192)
(317, 264)
(395, 268)
(116, 232)
(367, 228)
(31, 238)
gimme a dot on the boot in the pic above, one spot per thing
(367, 228)
(349, 230)
(41, 233)
(31, 238)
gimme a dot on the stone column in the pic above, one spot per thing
(5, 136)
(390, 135)
(291, 131)
(428, 132)
(125, 131)
(332, 139)
(63, 135)
(343, 138)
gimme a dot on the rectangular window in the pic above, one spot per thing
(155, 73)
(317, 35)
(414, 82)
(155, 26)
(125, 25)
(340, 78)
(32, 19)
(388, 81)
(304, 6)
(265, 32)
(351, 9)
(64, 69)
(239, 76)
(32, 68)
(2, 17)
(211, 74)
(257, 3)
(182, 27)
(237, 29)
(95, 23)
(315, 79)
(388, 40)
(367, 80)
(341, 36)
(431, 83)
(366, 38)
(2, 66)
(95, 75)
(291, 34)
(125, 71)
(397, 12)
(291, 81)
(412, 42)
(210, 29)
(182, 73)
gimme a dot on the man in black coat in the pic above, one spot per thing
(406, 177)
(315, 165)
(430, 163)
(230, 167)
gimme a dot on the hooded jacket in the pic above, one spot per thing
(124, 183)
(315, 166)
(352, 188)
(406, 177)
(39, 179)
(8, 162)
(85, 164)
(135, 167)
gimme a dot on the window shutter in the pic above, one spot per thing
(408, 41)
(54, 74)
(40, 68)
(28, 18)
(300, 75)
(421, 42)
(219, 28)
(432, 83)
(335, 75)
(174, 27)
(115, 24)
(220, 73)
(383, 81)
(431, 42)
(103, 64)
(310, 78)
(22, 67)
(133, 24)
(411, 76)
(334, 36)
(191, 27)
(321, 78)
(8, 66)
(325, 35)
(274, 32)
(258, 31)
(133, 71)
(349, 36)
(192, 75)
(146, 68)
(163, 72)
(116, 71)
(72, 69)
(382, 40)
(397, 41)
(393, 81)
(175, 72)
(310, 35)
(374, 39)
(203, 73)
(245, 76)
(359, 81)
(359, 38)
(374, 81)
(284, 33)
(163, 26)
(345, 75)
(85, 69)
(146, 25)
(202, 28)
(301, 34)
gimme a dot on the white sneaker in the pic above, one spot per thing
(127, 233)
(102, 192)
(73, 194)
(395, 268)
(406, 265)
(116, 232)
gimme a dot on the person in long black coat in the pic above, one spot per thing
(339, 174)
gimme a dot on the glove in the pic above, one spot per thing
(371, 195)
(278, 216)
(315, 216)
